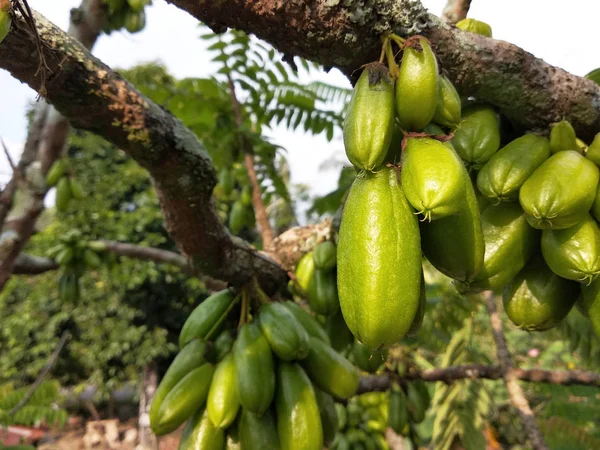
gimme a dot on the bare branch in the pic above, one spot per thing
(33, 265)
(455, 11)
(8, 157)
(515, 393)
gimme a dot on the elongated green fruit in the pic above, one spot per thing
(417, 86)
(560, 192)
(590, 303)
(305, 271)
(596, 205)
(447, 112)
(397, 410)
(223, 344)
(226, 180)
(340, 336)
(237, 217)
(593, 151)
(255, 369)
(287, 337)
(562, 137)
(367, 359)
(189, 358)
(418, 320)
(63, 194)
(76, 189)
(258, 432)
(574, 253)
(432, 178)
(330, 371)
(537, 299)
(379, 260)
(324, 255)
(509, 243)
(323, 293)
(200, 434)
(223, 399)
(183, 400)
(204, 316)
(310, 324)
(417, 400)
(454, 244)
(475, 26)
(91, 258)
(135, 21)
(328, 413)
(298, 419)
(57, 170)
(503, 175)
(369, 122)
(477, 137)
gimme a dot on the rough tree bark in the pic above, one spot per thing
(455, 11)
(146, 439)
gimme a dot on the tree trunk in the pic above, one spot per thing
(147, 440)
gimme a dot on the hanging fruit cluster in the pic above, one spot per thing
(67, 186)
(128, 14)
(272, 386)
(235, 199)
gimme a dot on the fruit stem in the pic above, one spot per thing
(397, 39)
(385, 43)
(243, 310)
(394, 69)
(262, 297)
(222, 318)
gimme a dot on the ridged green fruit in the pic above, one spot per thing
(310, 324)
(418, 320)
(298, 419)
(5, 21)
(503, 175)
(447, 112)
(76, 189)
(57, 170)
(223, 344)
(339, 334)
(324, 255)
(397, 410)
(367, 359)
(223, 399)
(135, 21)
(237, 217)
(328, 413)
(287, 337)
(63, 194)
(593, 151)
(562, 137)
(330, 371)
(183, 400)
(137, 5)
(574, 253)
(68, 287)
(475, 26)
(65, 256)
(509, 243)
(258, 432)
(454, 244)
(432, 178)
(226, 180)
(477, 137)
(323, 293)
(91, 259)
(417, 400)
(379, 260)
(537, 299)
(115, 5)
(200, 434)
(204, 316)
(255, 369)
(560, 192)
(596, 205)
(305, 270)
(590, 303)
(417, 86)
(369, 122)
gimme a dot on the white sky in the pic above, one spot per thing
(564, 35)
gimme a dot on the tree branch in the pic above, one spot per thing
(93, 97)
(455, 11)
(528, 91)
(515, 393)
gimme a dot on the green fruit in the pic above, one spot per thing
(226, 180)
(189, 358)
(115, 5)
(97, 246)
(328, 414)
(5, 21)
(330, 371)
(560, 192)
(298, 419)
(65, 256)
(200, 434)
(233, 437)
(477, 137)
(134, 21)
(594, 75)
(339, 334)
(454, 244)
(324, 256)
(137, 5)
(447, 112)
(562, 137)
(58, 169)
(379, 260)
(574, 253)
(68, 288)
(417, 86)
(537, 299)
(237, 217)
(369, 122)
(417, 400)
(397, 410)
(503, 175)
(342, 443)
(223, 399)
(63, 194)
(509, 243)
(367, 359)
(91, 259)
(418, 320)
(76, 189)
(305, 270)
(475, 26)
(593, 151)
(596, 205)
(246, 196)
(342, 416)
(183, 400)
(590, 303)
(204, 316)
(255, 369)
(223, 344)
(323, 293)
(287, 337)
(258, 432)
(308, 322)
(433, 178)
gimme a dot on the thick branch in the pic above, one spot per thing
(455, 11)
(531, 93)
(515, 393)
(93, 97)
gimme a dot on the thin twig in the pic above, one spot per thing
(515, 393)
(8, 157)
(51, 363)
(455, 11)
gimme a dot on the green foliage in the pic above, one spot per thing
(40, 408)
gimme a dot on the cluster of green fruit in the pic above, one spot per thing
(67, 186)
(5, 18)
(270, 387)
(128, 14)
(74, 255)
(236, 202)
